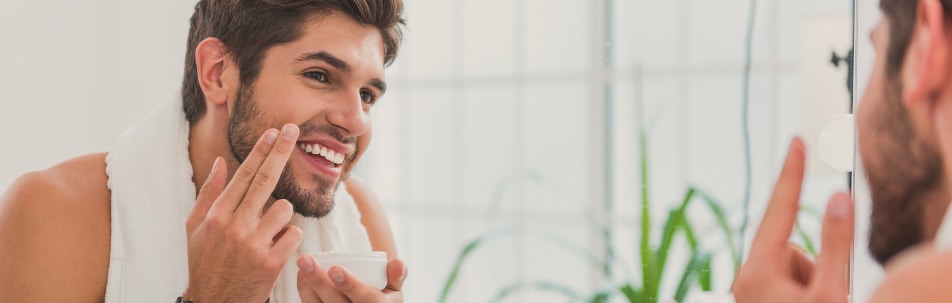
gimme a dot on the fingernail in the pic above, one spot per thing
(336, 275)
(270, 136)
(840, 207)
(289, 131)
(305, 265)
(215, 165)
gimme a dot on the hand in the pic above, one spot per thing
(339, 286)
(776, 271)
(235, 251)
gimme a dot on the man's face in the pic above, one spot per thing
(325, 82)
(900, 167)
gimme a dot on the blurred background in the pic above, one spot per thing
(528, 150)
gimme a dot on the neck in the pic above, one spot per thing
(207, 139)
(934, 212)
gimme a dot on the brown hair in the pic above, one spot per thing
(248, 28)
(901, 15)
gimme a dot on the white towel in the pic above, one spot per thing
(943, 237)
(152, 194)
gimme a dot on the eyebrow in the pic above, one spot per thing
(340, 65)
(379, 84)
(328, 58)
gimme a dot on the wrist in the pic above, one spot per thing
(189, 297)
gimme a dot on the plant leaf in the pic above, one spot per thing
(699, 260)
(540, 285)
(813, 212)
(807, 242)
(671, 226)
(675, 222)
(451, 280)
(632, 294)
(703, 272)
(718, 211)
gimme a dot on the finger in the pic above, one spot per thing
(268, 174)
(836, 245)
(287, 242)
(801, 265)
(235, 191)
(304, 287)
(353, 288)
(317, 280)
(275, 220)
(396, 274)
(777, 224)
(211, 189)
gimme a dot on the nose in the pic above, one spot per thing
(348, 114)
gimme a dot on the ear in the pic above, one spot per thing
(929, 50)
(216, 73)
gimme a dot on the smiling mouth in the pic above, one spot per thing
(323, 154)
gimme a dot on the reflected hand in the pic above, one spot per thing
(235, 252)
(777, 271)
(339, 286)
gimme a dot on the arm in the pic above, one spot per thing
(373, 217)
(918, 276)
(54, 234)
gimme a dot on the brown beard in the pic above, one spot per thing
(899, 179)
(244, 128)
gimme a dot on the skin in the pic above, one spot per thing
(774, 273)
(55, 224)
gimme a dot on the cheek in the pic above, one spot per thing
(867, 108)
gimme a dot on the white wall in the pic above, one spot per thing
(76, 73)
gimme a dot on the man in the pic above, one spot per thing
(904, 127)
(276, 97)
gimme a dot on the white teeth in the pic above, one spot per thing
(323, 151)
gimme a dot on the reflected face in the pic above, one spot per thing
(900, 167)
(326, 83)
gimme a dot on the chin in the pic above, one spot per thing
(312, 197)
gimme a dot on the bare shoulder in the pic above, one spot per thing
(921, 276)
(55, 234)
(372, 216)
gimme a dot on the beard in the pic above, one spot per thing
(246, 125)
(901, 172)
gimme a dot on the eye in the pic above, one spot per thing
(367, 97)
(317, 75)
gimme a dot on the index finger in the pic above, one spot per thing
(352, 287)
(268, 174)
(777, 224)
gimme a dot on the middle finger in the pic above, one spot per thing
(268, 174)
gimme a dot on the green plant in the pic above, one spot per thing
(654, 256)
(654, 247)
